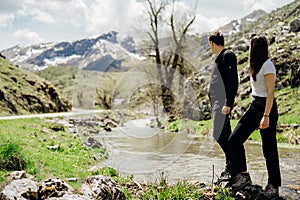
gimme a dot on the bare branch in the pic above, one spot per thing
(152, 38)
(173, 29)
(185, 30)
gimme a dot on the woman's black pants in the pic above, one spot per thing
(246, 125)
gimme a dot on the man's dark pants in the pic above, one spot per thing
(222, 130)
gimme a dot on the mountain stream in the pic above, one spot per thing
(149, 154)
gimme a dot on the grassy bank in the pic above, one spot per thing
(45, 149)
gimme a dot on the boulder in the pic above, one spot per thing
(102, 188)
(54, 188)
(16, 188)
(295, 25)
(93, 143)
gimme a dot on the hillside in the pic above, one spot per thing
(281, 28)
(22, 92)
(284, 38)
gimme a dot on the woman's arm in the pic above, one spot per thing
(270, 83)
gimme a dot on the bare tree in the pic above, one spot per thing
(154, 16)
(173, 58)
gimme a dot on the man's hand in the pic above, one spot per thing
(225, 110)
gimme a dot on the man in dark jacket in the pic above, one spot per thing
(222, 91)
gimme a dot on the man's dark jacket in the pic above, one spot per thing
(224, 79)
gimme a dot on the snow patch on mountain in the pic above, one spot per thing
(106, 49)
(237, 25)
(61, 60)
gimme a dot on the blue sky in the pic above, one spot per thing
(24, 22)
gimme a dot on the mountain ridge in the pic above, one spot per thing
(114, 46)
(237, 25)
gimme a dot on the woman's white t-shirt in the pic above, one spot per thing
(259, 87)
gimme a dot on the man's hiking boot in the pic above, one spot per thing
(240, 181)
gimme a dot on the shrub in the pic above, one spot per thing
(11, 158)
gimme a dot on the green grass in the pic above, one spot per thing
(288, 101)
(223, 194)
(179, 191)
(34, 136)
(161, 190)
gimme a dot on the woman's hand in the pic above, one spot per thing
(264, 122)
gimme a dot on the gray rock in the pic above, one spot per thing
(70, 197)
(17, 175)
(95, 188)
(295, 25)
(15, 188)
(102, 188)
(93, 143)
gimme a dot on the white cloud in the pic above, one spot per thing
(42, 16)
(267, 5)
(256, 4)
(6, 20)
(26, 36)
(92, 16)
(184, 12)
(9, 6)
(114, 15)
(204, 24)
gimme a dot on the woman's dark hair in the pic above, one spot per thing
(217, 38)
(258, 54)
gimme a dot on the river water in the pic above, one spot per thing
(146, 153)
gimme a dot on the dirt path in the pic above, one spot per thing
(60, 114)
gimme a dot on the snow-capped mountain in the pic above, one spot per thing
(237, 25)
(107, 52)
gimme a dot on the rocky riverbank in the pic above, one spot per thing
(23, 186)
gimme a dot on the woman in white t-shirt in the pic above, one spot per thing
(262, 113)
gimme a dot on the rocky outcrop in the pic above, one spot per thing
(91, 124)
(295, 25)
(93, 143)
(22, 92)
(101, 188)
(25, 187)
(1, 56)
(196, 104)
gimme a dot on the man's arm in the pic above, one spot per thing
(230, 78)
